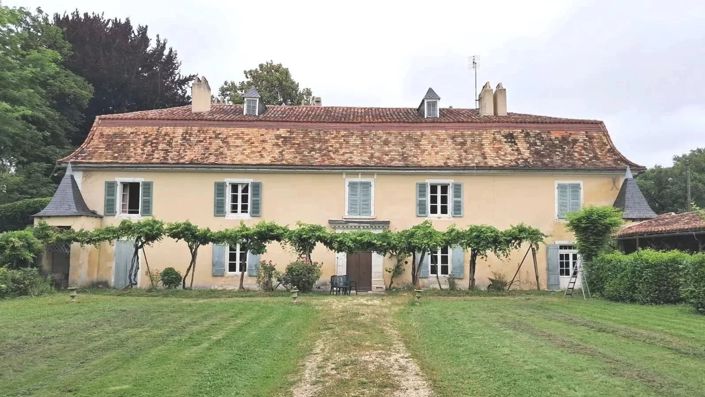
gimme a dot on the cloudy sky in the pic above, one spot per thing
(637, 65)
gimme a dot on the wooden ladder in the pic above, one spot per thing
(574, 280)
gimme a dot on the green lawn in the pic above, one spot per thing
(540, 346)
(108, 345)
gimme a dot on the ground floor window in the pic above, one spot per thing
(567, 259)
(237, 259)
(440, 262)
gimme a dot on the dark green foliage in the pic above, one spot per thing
(646, 277)
(18, 215)
(21, 282)
(694, 282)
(665, 187)
(593, 228)
(304, 238)
(41, 103)
(19, 249)
(267, 276)
(302, 275)
(194, 237)
(274, 84)
(130, 73)
(170, 278)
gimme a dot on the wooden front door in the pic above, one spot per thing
(359, 266)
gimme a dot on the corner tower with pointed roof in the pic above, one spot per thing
(67, 200)
(631, 200)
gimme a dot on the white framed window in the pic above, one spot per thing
(567, 259)
(439, 199)
(237, 260)
(129, 197)
(569, 198)
(239, 198)
(251, 106)
(431, 108)
(359, 198)
(440, 262)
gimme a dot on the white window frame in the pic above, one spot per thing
(425, 108)
(555, 197)
(244, 106)
(569, 252)
(227, 261)
(372, 197)
(438, 266)
(228, 199)
(118, 198)
(448, 182)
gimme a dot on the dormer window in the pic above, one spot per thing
(428, 108)
(431, 108)
(251, 106)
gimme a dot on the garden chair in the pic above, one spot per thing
(334, 287)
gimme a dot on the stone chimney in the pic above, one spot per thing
(486, 100)
(316, 101)
(200, 95)
(500, 100)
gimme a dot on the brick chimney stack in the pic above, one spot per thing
(500, 100)
(200, 95)
(486, 100)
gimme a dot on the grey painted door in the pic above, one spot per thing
(123, 256)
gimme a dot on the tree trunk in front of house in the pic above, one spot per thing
(471, 270)
(194, 254)
(415, 276)
(242, 279)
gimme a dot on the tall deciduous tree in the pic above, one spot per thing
(273, 82)
(41, 102)
(127, 69)
(665, 188)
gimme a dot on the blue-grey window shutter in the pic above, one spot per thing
(458, 261)
(219, 199)
(365, 198)
(422, 199)
(423, 270)
(146, 209)
(252, 264)
(574, 201)
(124, 249)
(353, 198)
(562, 197)
(256, 206)
(457, 199)
(219, 260)
(110, 197)
(554, 280)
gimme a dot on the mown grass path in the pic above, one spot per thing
(539, 346)
(138, 346)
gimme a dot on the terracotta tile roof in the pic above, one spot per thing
(666, 224)
(336, 114)
(314, 136)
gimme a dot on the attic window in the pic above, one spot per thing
(431, 108)
(251, 106)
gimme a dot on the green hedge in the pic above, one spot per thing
(20, 282)
(18, 215)
(649, 277)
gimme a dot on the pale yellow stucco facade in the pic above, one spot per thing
(494, 198)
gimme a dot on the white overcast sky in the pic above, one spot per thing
(637, 65)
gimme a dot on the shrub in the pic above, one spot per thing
(301, 275)
(18, 215)
(603, 270)
(170, 278)
(19, 249)
(497, 282)
(593, 228)
(266, 276)
(694, 282)
(20, 282)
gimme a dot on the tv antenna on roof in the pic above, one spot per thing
(474, 63)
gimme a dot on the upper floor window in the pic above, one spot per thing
(568, 198)
(251, 106)
(440, 262)
(359, 198)
(237, 259)
(130, 198)
(438, 199)
(240, 198)
(431, 108)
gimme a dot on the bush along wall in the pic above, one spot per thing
(649, 277)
